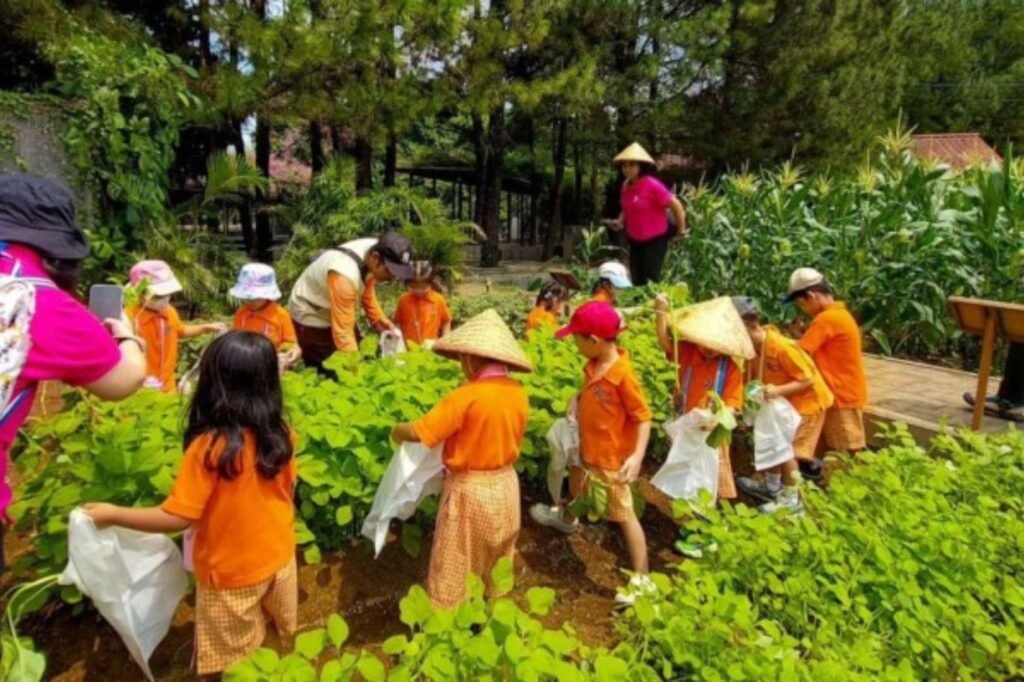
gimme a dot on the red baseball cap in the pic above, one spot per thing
(595, 318)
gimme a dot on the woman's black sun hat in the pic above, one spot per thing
(40, 213)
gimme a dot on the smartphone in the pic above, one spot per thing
(106, 301)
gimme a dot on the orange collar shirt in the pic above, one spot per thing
(833, 340)
(272, 321)
(782, 361)
(245, 527)
(422, 317)
(611, 408)
(603, 296)
(541, 317)
(481, 423)
(700, 374)
(161, 331)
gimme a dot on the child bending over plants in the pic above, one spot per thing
(482, 424)
(550, 300)
(611, 276)
(156, 321)
(709, 378)
(615, 427)
(784, 370)
(234, 489)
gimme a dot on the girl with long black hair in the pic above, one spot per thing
(235, 491)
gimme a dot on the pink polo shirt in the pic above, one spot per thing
(68, 344)
(644, 202)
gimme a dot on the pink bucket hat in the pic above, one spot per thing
(256, 281)
(162, 281)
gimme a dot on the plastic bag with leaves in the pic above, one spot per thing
(692, 462)
(564, 442)
(414, 474)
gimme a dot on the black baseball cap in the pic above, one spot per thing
(397, 254)
(40, 213)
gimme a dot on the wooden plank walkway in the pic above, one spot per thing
(922, 396)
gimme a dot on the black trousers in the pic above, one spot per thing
(1011, 388)
(647, 258)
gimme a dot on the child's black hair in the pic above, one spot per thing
(602, 282)
(239, 390)
(551, 292)
(823, 288)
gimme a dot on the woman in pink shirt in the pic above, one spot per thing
(644, 204)
(41, 242)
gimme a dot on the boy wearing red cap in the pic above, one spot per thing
(615, 426)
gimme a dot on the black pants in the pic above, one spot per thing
(317, 345)
(646, 259)
(1011, 389)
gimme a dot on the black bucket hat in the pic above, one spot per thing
(40, 213)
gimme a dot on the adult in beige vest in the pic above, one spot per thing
(324, 298)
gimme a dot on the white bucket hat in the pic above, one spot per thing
(255, 281)
(615, 272)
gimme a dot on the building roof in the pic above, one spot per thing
(958, 150)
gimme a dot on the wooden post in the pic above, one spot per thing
(988, 342)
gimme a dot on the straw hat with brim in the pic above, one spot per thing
(487, 336)
(636, 153)
(714, 325)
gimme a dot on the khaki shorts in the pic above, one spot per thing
(805, 443)
(844, 429)
(231, 623)
(620, 495)
(726, 481)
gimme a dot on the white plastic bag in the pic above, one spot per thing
(391, 343)
(135, 580)
(775, 426)
(564, 441)
(692, 464)
(415, 473)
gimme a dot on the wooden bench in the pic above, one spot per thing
(980, 317)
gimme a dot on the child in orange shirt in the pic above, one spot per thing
(261, 314)
(785, 370)
(481, 424)
(615, 427)
(833, 339)
(234, 488)
(551, 298)
(611, 275)
(158, 324)
(422, 313)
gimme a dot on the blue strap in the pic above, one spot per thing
(723, 365)
(13, 406)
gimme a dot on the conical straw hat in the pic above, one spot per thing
(485, 335)
(715, 325)
(634, 152)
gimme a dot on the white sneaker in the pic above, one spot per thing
(788, 500)
(552, 517)
(638, 585)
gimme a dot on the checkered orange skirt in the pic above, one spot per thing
(477, 525)
(231, 623)
(844, 429)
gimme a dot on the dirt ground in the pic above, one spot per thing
(584, 569)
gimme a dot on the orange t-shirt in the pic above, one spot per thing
(245, 528)
(603, 296)
(344, 294)
(541, 317)
(610, 409)
(422, 317)
(161, 331)
(782, 361)
(272, 320)
(699, 374)
(833, 340)
(481, 423)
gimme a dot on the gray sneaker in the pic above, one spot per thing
(758, 487)
(552, 517)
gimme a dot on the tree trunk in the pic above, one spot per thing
(205, 55)
(558, 154)
(577, 190)
(490, 254)
(316, 147)
(391, 160)
(364, 165)
(480, 153)
(245, 209)
(264, 236)
(337, 144)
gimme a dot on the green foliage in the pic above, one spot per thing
(908, 568)
(512, 303)
(481, 639)
(895, 241)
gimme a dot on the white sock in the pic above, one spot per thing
(773, 479)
